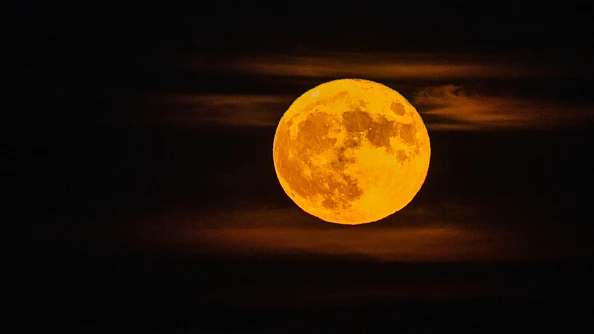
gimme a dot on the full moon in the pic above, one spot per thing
(351, 151)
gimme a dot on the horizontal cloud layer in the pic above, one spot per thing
(375, 66)
(425, 79)
(443, 108)
(452, 233)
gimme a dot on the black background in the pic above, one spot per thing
(78, 170)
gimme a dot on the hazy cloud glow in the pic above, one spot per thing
(363, 67)
(458, 110)
(406, 238)
(426, 79)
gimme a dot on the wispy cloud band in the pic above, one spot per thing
(426, 78)
(458, 110)
(227, 110)
(406, 238)
(444, 108)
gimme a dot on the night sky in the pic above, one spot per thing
(147, 200)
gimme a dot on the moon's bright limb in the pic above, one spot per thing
(351, 151)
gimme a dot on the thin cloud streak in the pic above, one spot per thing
(370, 66)
(431, 234)
(227, 110)
(447, 243)
(407, 244)
(455, 109)
(444, 108)
(405, 237)
(303, 63)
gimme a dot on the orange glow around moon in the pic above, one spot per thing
(351, 151)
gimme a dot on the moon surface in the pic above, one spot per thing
(351, 151)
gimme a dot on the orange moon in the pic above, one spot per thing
(351, 151)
